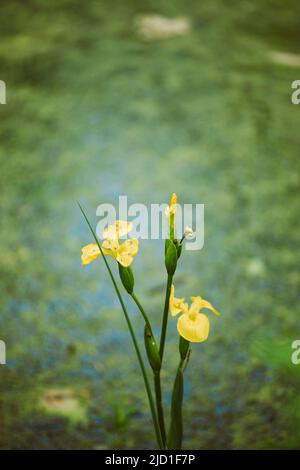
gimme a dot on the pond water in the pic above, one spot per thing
(94, 111)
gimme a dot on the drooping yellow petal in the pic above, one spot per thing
(127, 251)
(193, 328)
(198, 304)
(117, 230)
(89, 253)
(176, 305)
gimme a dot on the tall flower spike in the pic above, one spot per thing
(122, 252)
(191, 325)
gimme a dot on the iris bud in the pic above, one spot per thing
(167, 244)
(188, 232)
(174, 439)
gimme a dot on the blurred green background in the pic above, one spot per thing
(95, 110)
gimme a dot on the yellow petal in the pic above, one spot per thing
(117, 230)
(124, 259)
(193, 328)
(172, 206)
(176, 305)
(90, 252)
(127, 251)
(198, 304)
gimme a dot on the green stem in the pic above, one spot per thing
(135, 344)
(165, 317)
(156, 374)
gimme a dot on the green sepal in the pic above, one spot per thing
(127, 278)
(171, 258)
(152, 349)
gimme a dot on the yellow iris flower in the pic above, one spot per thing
(191, 325)
(171, 209)
(122, 252)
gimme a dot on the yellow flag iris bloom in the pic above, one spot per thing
(122, 252)
(171, 215)
(191, 325)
